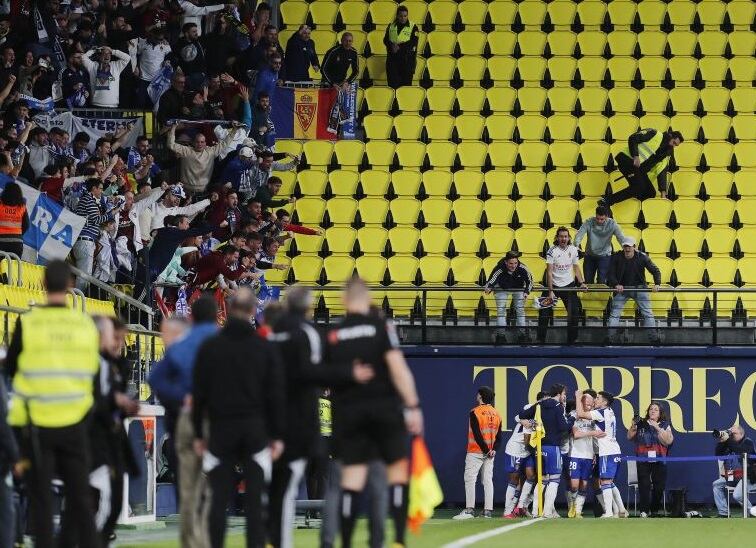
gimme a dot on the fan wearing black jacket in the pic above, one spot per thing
(510, 277)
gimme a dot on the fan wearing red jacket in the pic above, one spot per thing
(220, 266)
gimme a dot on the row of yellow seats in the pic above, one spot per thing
(532, 13)
(561, 127)
(716, 182)
(530, 211)
(688, 240)
(439, 154)
(561, 99)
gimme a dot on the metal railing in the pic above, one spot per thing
(438, 314)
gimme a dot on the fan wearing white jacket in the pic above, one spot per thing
(128, 219)
(105, 74)
(154, 216)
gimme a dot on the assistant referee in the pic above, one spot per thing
(372, 420)
(53, 359)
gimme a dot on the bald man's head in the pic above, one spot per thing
(357, 296)
(243, 304)
(172, 329)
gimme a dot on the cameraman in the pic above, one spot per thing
(653, 437)
(732, 442)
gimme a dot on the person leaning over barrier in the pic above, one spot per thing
(627, 269)
(508, 277)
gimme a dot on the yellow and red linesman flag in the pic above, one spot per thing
(538, 431)
(424, 490)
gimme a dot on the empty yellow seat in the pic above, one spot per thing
(404, 239)
(435, 239)
(306, 268)
(371, 239)
(370, 268)
(340, 240)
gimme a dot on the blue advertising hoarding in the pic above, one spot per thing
(701, 389)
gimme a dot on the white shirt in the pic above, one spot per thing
(607, 422)
(516, 444)
(151, 58)
(105, 86)
(193, 13)
(582, 448)
(564, 260)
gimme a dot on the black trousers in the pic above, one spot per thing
(62, 452)
(236, 441)
(640, 186)
(572, 303)
(652, 479)
(400, 69)
(12, 247)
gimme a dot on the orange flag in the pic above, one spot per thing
(424, 490)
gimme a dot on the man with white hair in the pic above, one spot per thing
(105, 75)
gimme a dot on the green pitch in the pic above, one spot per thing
(562, 533)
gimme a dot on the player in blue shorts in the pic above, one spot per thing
(520, 492)
(610, 455)
(582, 457)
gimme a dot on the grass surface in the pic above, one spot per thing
(565, 533)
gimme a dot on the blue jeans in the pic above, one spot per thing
(597, 267)
(737, 495)
(720, 494)
(644, 304)
(502, 298)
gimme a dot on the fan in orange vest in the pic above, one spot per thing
(14, 220)
(483, 438)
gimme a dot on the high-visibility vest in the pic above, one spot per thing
(324, 412)
(489, 422)
(11, 218)
(400, 37)
(54, 383)
(647, 149)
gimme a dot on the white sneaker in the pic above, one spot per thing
(607, 516)
(467, 513)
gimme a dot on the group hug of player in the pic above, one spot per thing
(579, 444)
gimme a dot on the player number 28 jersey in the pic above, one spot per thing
(582, 448)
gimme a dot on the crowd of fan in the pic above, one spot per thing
(210, 163)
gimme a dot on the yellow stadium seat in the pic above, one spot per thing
(441, 154)
(442, 42)
(376, 67)
(442, 13)
(435, 239)
(467, 240)
(434, 269)
(468, 182)
(713, 68)
(656, 240)
(623, 99)
(561, 211)
(500, 126)
(380, 153)
(626, 213)
(717, 182)
(498, 240)
(564, 154)
(499, 211)
(312, 183)
(382, 12)
(741, 43)
(338, 268)
(745, 153)
(595, 154)
(562, 99)
(324, 38)
(502, 154)
(531, 182)
(499, 183)
(682, 42)
(592, 183)
(744, 129)
(404, 210)
(437, 182)
(684, 99)
(472, 13)
(440, 99)
(467, 210)
(712, 43)
(653, 99)
(689, 240)
(341, 210)
(310, 210)
(742, 179)
(530, 239)
(622, 42)
(688, 211)
(408, 127)
(530, 211)
(715, 99)
(502, 14)
(471, 42)
(531, 69)
(471, 100)
(501, 69)
(440, 69)
(353, 13)
(591, 42)
(340, 239)
(745, 208)
(501, 42)
(532, 100)
(688, 154)
(404, 239)
(402, 269)
(721, 270)
(323, 13)
(374, 182)
(711, 13)
(532, 12)
(439, 126)
(715, 127)
(469, 127)
(747, 269)
(681, 13)
(472, 154)
(373, 210)
(418, 9)
(591, 13)
(349, 153)
(294, 13)
(410, 99)
(719, 211)
(742, 69)
(379, 99)
(306, 268)
(652, 43)
(372, 239)
(406, 183)
(718, 155)
(318, 153)
(410, 154)
(533, 154)
(562, 14)
(592, 99)
(746, 237)
(466, 269)
(532, 42)
(651, 13)
(370, 268)
(562, 183)
(531, 127)
(501, 99)
(592, 126)
(741, 13)
(471, 68)
(436, 210)
(378, 126)
(622, 69)
(689, 270)
(562, 69)
(656, 212)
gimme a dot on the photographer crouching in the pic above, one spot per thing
(733, 442)
(653, 437)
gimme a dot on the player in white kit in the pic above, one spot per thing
(581, 457)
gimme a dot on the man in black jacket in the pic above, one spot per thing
(300, 56)
(627, 270)
(733, 442)
(302, 351)
(340, 59)
(239, 388)
(510, 276)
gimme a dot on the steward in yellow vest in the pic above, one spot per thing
(644, 164)
(401, 49)
(53, 359)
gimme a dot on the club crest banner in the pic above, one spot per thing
(305, 112)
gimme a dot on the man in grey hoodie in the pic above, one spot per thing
(598, 250)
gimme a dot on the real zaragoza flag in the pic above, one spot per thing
(302, 113)
(424, 490)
